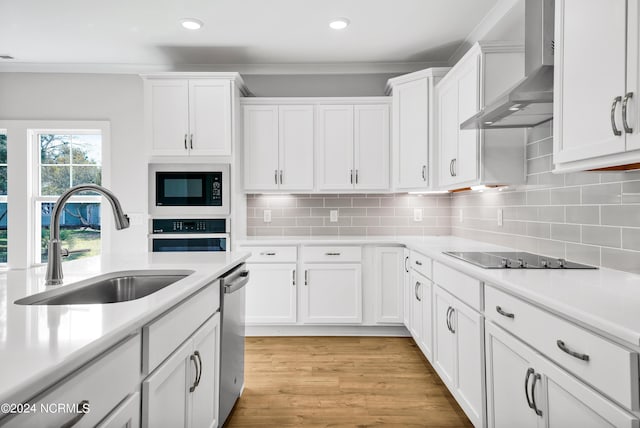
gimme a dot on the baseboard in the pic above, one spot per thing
(326, 330)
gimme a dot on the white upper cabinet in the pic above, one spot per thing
(413, 127)
(471, 157)
(278, 147)
(353, 147)
(191, 114)
(596, 120)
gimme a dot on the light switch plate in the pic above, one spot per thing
(500, 222)
(417, 214)
(461, 215)
(266, 216)
(333, 216)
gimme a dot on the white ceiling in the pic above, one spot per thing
(147, 32)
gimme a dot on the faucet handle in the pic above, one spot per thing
(65, 252)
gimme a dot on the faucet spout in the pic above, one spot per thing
(54, 265)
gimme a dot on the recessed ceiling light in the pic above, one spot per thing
(488, 122)
(191, 23)
(339, 23)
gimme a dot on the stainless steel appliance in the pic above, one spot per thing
(193, 234)
(515, 260)
(530, 101)
(189, 190)
(232, 314)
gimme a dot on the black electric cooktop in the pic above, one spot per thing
(515, 260)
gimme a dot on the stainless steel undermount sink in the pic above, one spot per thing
(108, 288)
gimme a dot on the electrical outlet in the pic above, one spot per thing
(500, 217)
(266, 216)
(461, 215)
(333, 216)
(417, 214)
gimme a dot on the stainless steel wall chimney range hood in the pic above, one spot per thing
(530, 101)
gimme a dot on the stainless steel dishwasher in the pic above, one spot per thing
(232, 314)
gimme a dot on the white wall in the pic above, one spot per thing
(116, 98)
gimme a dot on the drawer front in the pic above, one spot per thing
(608, 367)
(271, 254)
(333, 254)
(163, 335)
(103, 383)
(421, 264)
(462, 286)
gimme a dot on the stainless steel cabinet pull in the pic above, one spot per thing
(455, 162)
(561, 345)
(306, 277)
(199, 378)
(453, 330)
(331, 254)
(406, 267)
(293, 280)
(448, 313)
(356, 176)
(192, 357)
(424, 173)
(614, 127)
(191, 141)
(281, 181)
(267, 254)
(71, 422)
(503, 313)
(625, 122)
(351, 175)
(451, 168)
(185, 142)
(536, 378)
(530, 371)
(415, 291)
(275, 175)
(418, 262)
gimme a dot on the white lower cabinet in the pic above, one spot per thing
(126, 415)
(458, 353)
(332, 293)
(271, 294)
(525, 389)
(389, 287)
(421, 313)
(183, 390)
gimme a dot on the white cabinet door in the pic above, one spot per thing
(167, 110)
(296, 147)
(411, 134)
(332, 294)
(260, 147)
(210, 117)
(335, 147)
(509, 365)
(448, 131)
(389, 282)
(469, 360)
(444, 340)
(165, 393)
(408, 292)
(416, 307)
(271, 294)
(465, 165)
(126, 415)
(371, 147)
(426, 332)
(204, 398)
(585, 89)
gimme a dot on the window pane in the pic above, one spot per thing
(54, 148)
(86, 174)
(87, 149)
(55, 180)
(79, 229)
(3, 148)
(3, 232)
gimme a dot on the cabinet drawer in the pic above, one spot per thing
(421, 264)
(163, 335)
(119, 369)
(273, 254)
(610, 368)
(332, 254)
(464, 287)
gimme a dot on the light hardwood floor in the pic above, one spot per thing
(342, 382)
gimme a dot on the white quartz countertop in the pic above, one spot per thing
(604, 300)
(40, 345)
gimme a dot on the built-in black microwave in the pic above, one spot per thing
(191, 189)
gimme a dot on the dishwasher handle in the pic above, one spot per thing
(243, 279)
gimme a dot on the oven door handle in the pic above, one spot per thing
(238, 283)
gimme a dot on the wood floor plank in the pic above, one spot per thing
(342, 382)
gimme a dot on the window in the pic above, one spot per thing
(66, 159)
(3, 198)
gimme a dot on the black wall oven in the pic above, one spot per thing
(188, 189)
(182, 235)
